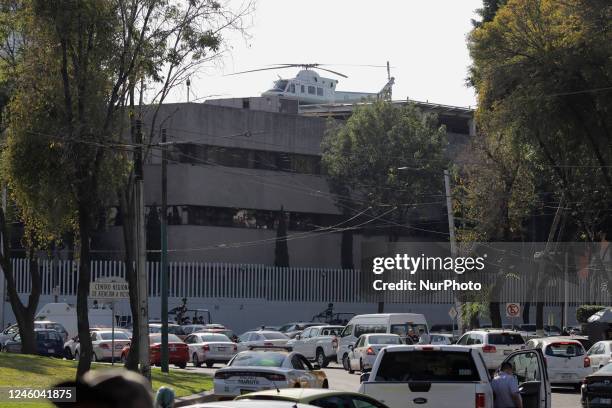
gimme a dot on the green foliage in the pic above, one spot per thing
(488, 11)
(583, 312)
(366, 153)
(542, 70)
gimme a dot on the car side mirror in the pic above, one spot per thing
(364, 377)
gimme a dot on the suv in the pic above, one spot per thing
(450, 376)
(495, 345)
(319, 343)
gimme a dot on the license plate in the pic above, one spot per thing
(172, 348)
(51, 350)
(118, 347)
(248, 380)
(221, 348)
(566, 376)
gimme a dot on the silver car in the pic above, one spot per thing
(210, 348)
(363, 355)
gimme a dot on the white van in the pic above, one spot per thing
(65, 314)
(396, 323)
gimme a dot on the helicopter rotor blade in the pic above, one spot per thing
(256, 70)
(333, 72)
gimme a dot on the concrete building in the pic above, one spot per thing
(234, 163)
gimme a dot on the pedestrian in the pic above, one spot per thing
(505, 388)
(412, 335)
(424, 337)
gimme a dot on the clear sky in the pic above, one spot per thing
(424, 40)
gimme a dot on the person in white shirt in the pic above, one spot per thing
(424, 338)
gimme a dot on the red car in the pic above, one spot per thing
(178, 351)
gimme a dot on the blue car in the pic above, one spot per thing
(48, 343)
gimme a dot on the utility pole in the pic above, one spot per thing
(164, 254)
(452, 239)
(3, 279)
(141, 261)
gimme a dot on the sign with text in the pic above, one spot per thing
(109, 289)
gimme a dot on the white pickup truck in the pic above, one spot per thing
(450, 376)
(317, 343)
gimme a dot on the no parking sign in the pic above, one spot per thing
(513, 310)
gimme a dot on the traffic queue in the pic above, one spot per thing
(401, 363)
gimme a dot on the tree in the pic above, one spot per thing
(281, 250)
(542, 72)
(488, 11)
(389, 159)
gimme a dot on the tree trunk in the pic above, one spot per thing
(526, 310)
(130, 272)
(495, 314)
(346, 250)
(23, 314)
(83, 291)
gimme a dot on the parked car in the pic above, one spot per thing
(442, 339)
(210, 348)
(317, 343)
(363, 354)
(258, 370)
(192, 328)
(450, 376)
(261, 338)
(248, 404)
(529, 331)
(567, 362)
(596, 389)
(396, 323)
(600, 354)
(70, 346)
(178, 351)
(48, 343)
(495, 345)
(294, 328)
(172, 329)
(315, 397)
(227, 332)
(13, 329)
(102, 343)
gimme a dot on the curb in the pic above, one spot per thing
(202, 397)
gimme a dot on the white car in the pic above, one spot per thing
(494, 345)
(102, 343)
(566, 360)
(317, 343)
(449, 376)
(441, 339)
(259, 370)
(363, 354)
(260, 339)
(249, 404)
(600, 354)
(210, 348)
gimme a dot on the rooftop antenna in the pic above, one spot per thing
(188, 85)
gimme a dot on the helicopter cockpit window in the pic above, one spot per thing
(292, 88)
(279, 85)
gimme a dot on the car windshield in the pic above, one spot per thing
(172, 338)
(606, 369)
(528, 327)
(48, 335)
(214, 337)
(279, 85)
(564, 349)
(427, 366)
(403, 329)
(552, 328)
(259, 359)
(384, 340)
(506, 338)
(118, 335)
(331, 331)
(274, 336)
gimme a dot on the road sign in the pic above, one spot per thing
(452, 312)
(110, 288)
(513, 309)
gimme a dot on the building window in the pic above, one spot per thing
(311, 90)
(319, 91)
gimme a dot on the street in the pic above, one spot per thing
(342, 380)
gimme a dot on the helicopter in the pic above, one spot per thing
(308, 87)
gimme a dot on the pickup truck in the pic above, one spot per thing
(317, 343)
(450, 376)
